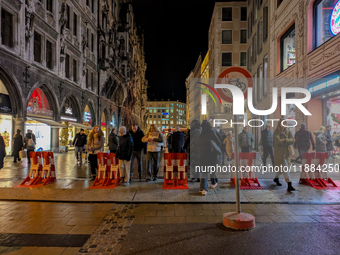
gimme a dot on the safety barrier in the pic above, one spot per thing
(247, 178)
(175, 164)
(108, 172)
(314, 171)
(42, 171)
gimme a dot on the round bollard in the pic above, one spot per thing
(238, 221)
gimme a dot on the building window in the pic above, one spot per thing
(92, 81)
(6, 28)
(259, 82)
(287, 45)
(49, 63)
(227, 36)
(67, 66)
(68, 14)
(87, 79)
(255, 88)
(92, 6)
(279, 2)
(265, 23)
(75, 24)
(260, 29)
(322, 10)
(227, 14)
(227, 59)
(92, 42)
(265, 75)
(255, 48)
(74, 70)
(243, 13)
(49, 5)
(243, 57)
(37, 47)
(243, 38)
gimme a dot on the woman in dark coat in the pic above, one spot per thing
(17, 146)
(207, 157)
(2, 151)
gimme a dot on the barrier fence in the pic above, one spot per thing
(175, 171)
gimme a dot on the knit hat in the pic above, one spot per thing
(122, 130)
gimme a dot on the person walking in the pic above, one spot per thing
(124, 154)
(320, 139)
(29, 144)
(95, 144)
(2, 151)
(303, 140)
(177, 141)
(113, 141)
(267, 143)
(169, 141)
(154, 140)
(208, 157)
(194, 154)
(329, 145)
(229, 145)
(17, 146)
(137, 135)
(246, 140)
(79, 142)
(283, 138)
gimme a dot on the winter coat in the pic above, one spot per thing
(96, 142)
(2, 151)
(169, 143)
(154, 146)
(125, 147)
(267, 138)
(80, 140)
(303, 138)
(229, 145)
(177, 142)
(207, 157)
(138, 145)
(113, 142)
(186, 146)
(17, 143)
(27, 138)
(194, 147)
(329, 145)
(245, 139)
(320, 141)
(281, 151)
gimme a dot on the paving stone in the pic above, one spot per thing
(184, 213)
(281, 218)
(165, 213)
(264, 219)
(204, 213)
(302, 219)
(174, 220)
(195, 219)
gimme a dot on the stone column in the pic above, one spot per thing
(55, 140)
(19, 123)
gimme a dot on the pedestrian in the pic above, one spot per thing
(177, 140)
(229, 145)
(124, 154)
(17, 146)
(29, 143)
(2, 152)
(246, 140)
(194, 149)
(113, 141)
(329, 145)
(267, 143)
(208, 141)
(154, 140)
(95, 144)
(79, 142)
(303, 140)
(139, 147)
(283, 138)
(186, 146)
(169, 141)
(320, 139)
(223, 148)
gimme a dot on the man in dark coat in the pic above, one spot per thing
(267, 143)
(194, 154)
(113, 141)
(79, 142)
(17, 146)
(177, 140)
(303, 139)
(329, 140)
(169, 141)
(29, 143)
(138, 147)
(124, 153)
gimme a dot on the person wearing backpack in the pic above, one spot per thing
(29, 144)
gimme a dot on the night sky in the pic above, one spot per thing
(176, 32)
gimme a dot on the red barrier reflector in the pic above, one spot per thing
(175, 163)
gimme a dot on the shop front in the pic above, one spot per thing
(325, 103)
(104, 126)
(87, 118)
(6, 118)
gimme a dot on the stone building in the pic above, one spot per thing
(50, 51)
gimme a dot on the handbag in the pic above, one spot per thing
(215, 149)
(22, 154)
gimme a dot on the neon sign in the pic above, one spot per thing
(335, 19)
(87, 117)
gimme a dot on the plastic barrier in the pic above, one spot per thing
(175, 163)
(108, 172)
(314, 173)
(248, 179)
(42, 171)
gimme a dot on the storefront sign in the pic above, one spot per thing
(324, 85)
(335, 19)
(68, 119)
(87, 117)
(68, 110)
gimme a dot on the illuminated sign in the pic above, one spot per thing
(87, 117)
(165, 113)
(68, 110)
(68, 119)
(335, 19)
(324, 85)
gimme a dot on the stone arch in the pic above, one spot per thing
(14, 91)
(93, 112)
(76, 105)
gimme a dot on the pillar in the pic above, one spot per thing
(55, 140)
(19, 123)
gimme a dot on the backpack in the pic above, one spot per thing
(30, 143)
